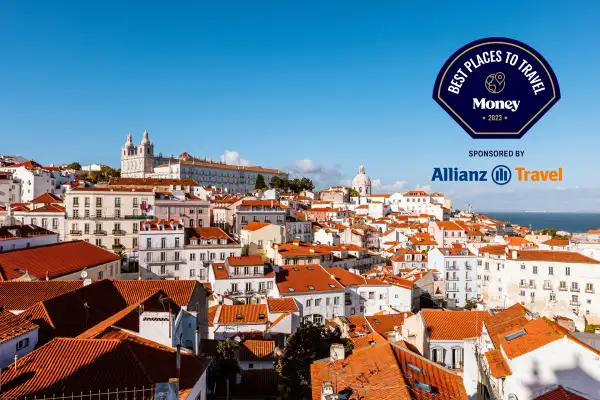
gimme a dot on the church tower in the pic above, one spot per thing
(137, 162)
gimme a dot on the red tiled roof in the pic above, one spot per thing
(498, 366)
(454, 325)
(113, 189)
(257, 350)
(77, 365)
(20, 295)
(554, 256)
(49, 208)
(53, 260)
(180, 291)
(206, 233)
(557, 242)
(305, 278)
(46, 198)
(243, 261)
(560, 393)
(282, 305)
(250, 314)
(254, 226)
(12, 326)
(386, 323)
(347, 278)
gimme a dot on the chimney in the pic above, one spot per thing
(178, 362)
(337, 352)
(197, 338)
(515, 254)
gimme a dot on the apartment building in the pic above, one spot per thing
(459, 269)
(109, 217)
(552, 283)
(296, 229)
(206, 246)
(319, 295)
(10, 188)
(161, 249)
(447, 233)
(257, 236)
(245, 279)
(191, 210)
(269, 211)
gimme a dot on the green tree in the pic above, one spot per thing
(352, 192)
(260, 182)
(223, 371)
(275, 182)
(74, 165)
(310, 342)
(470, 305)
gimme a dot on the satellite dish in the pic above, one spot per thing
(87, 281)
(83, 274)
(237, 339)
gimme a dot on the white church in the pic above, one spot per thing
(140, 162)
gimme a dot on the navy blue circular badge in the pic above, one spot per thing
(496, 88)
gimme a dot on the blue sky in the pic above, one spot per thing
(304, 86)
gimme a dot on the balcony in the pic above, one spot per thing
(469, 289)
(119, 232)
(589, 290)
(468, 267)
(139, 217)
(547, 287)
(523, 285)
(118, 247)
(452, 289)
(168, 260)
(532, 286)
(230, 292)
(452, 278)
(452, 268)
(575, 289)
(575, 303)
(562, 288)
(161, 248)
(75, 233)
(100, 233)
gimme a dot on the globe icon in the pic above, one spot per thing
(494, 83)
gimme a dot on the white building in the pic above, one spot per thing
(296, 229)
(140, 161)
(552, 283)
(520, 357)
(93, 167)
(362, 183)
(14, 237)
(35, 180)
(109, 217)
(459, 269)
(257, 236)
(246, 279)
(161, 248)
(205, 246)
(10, 188)
(269, 211)
(319, 295)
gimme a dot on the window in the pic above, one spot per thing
(336, 301)
(318, 319)
(163, 269)
(589, 288)
(550, 270)
(574, 299)
(21, 344)
(117, 202)
(86, 229)
(222, 257)
(552, 296)
(535, 270)
(562, 285)
(75, 201)
(192, 272)
(99, 213)
(192, 256)
(371, 295)
(568, 271)
(522, 293)
(163, 243)
(317, 302)
(260, 244)
(98, 201)
(327, 301)
(575, 286)
(177, 242)
(148, 257)
(308, 302)
(100, 274)
(248, 286)
(86, 214)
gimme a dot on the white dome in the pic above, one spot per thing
(361, 182)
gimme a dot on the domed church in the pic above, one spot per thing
(362, 183)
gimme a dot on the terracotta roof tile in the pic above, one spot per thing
(553, 256)
(71, 365)
(180, 291)
(498, 366)
(254, 226)
(560, 393)
(207, 233)
(386, 323)
(13, 325)
(55, 260)
(282, 305)
(305, 278)
(257, 350)
(20, 295)
(249, 313)
(454, 325)
(46, 198)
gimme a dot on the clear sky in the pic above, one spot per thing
(315, 87)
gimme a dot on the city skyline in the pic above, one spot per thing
(283, 86)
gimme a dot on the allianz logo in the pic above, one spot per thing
(484, 104)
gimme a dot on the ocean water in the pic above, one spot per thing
(570, 222)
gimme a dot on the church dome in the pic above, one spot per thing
(361, 182)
